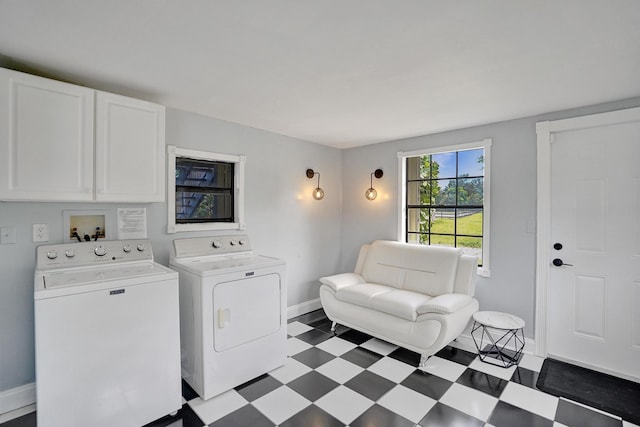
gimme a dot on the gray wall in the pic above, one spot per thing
(513, 203)
(281, 217)
(316, 238)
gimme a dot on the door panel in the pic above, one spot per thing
(636, 216)
(245, 310)
(46, 139)
(636, 315)
(592, 313)
(591, 222)
(130, 149)
(589, 304)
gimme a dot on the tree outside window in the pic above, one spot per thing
(445, 199)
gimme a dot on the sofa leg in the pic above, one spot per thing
(423, 360)
(333, 327)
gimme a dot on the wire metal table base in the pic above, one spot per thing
(501, 347)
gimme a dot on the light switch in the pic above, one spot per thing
(7, 235)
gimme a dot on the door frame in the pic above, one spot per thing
(545, 136)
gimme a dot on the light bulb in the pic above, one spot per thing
(371, 194)
(318, 193)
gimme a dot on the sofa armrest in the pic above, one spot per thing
(338, 281)
(444, 304)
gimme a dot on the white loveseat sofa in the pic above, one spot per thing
(415, 296)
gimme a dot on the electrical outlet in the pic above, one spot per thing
(40, 232)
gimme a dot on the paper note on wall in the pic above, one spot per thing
(132, 223)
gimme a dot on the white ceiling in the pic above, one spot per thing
(338, 72)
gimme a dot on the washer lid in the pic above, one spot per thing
(66, 278)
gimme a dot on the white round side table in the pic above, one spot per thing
(499, 337)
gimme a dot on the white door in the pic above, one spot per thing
(593, 290)
(46, 139)
(246, 310)
(130, 149)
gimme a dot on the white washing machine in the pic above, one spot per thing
(107, 335)
(233, 324)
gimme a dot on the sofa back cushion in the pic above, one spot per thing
(430, 270)
(466, 275)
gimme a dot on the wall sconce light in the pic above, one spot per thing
(317, 193)
(371, 192)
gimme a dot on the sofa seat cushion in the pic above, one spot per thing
(361, 294)
(397, 302)
(400, 303)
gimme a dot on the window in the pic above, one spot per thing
(445, 198)
(205, 191)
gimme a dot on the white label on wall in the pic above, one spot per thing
(132, 223)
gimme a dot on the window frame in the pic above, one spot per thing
(484, 270)
(238, 223)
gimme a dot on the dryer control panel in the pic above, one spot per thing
(67, 255)
(214, 245)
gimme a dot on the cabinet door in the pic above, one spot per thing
(130, 150)
(46, 139)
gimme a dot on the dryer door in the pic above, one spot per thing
(245, 310)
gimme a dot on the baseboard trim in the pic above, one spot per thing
(303, 308)
(17, 401)
(12, 415)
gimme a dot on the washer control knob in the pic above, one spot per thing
(100, 251)
(52, 254)
(217, 244)
(126, 248)
(242, 242)
(141, 247)
(70, 253)
(232, 243)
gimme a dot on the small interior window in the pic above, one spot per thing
(204, 191)
(207, 191)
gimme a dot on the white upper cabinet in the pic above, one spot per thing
(44, 129)
(130, 151)
(61, 142)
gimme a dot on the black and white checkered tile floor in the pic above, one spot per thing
(353, 379)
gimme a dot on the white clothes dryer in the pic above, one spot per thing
(107, 335)
(233, 325)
